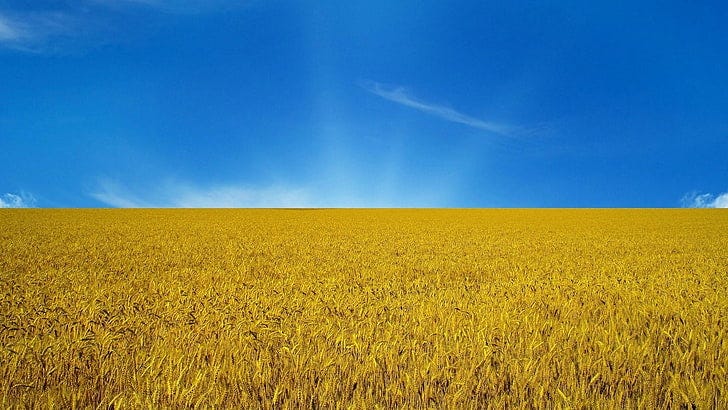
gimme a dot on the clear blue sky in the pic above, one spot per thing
(363, 103)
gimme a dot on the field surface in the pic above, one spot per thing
(364, 308)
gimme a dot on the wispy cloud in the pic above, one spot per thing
(175, 6)
(57, 26)
(115, 195)
(401, 96)
(241, 197)
(22, 200)
(9, 31)
(696, 200)
(181, 195)
(30, 31)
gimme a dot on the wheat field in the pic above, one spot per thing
(364, 308)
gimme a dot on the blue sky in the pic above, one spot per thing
(187, 103)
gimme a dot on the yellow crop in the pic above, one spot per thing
(364, 308)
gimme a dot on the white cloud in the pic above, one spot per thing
(187, 196)
(695, 200)
(22, 200)
(721, 201)
(400, 95)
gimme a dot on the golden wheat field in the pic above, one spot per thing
(364, 308)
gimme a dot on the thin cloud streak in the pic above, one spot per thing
(180, 195)
(174, 6)
(33, 32)
(240, 197)
(53, 28)
(8, 30)
(400, 96)
(177, 194)
(114, 195)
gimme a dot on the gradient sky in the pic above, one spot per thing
(116, 103)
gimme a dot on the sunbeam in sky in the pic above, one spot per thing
(362, 104)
